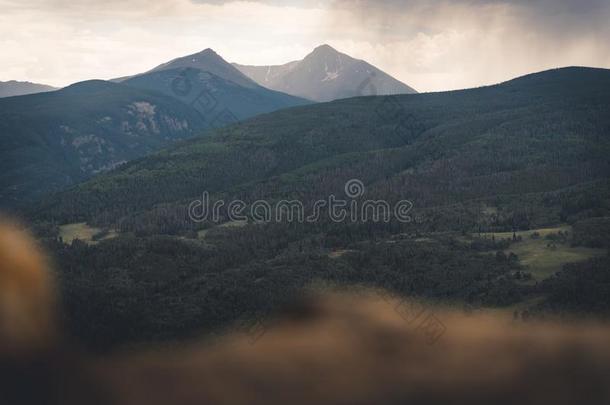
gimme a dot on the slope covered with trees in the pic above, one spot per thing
(536, 149)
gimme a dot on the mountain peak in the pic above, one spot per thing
(208, 61)
(324, 50)
(207, 54)
(324, 47)
(326, 74)
(208, 51)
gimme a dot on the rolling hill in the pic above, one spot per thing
(326, 74)
(15, 88)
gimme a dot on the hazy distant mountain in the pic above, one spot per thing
(325, 75)
(15, 88)
(49, 141)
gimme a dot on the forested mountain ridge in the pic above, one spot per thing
(536, 134)
(55, 139)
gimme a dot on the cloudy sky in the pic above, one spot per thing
(429, 44)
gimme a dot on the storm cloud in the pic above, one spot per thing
(431, 45)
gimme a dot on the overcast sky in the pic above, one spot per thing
(429, 44)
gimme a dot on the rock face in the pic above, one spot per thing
(325, 75)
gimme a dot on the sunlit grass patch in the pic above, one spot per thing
(543, 261)
(542, 256)
(528, 234)
(84, 232)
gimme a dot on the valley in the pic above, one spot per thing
(68, 233)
